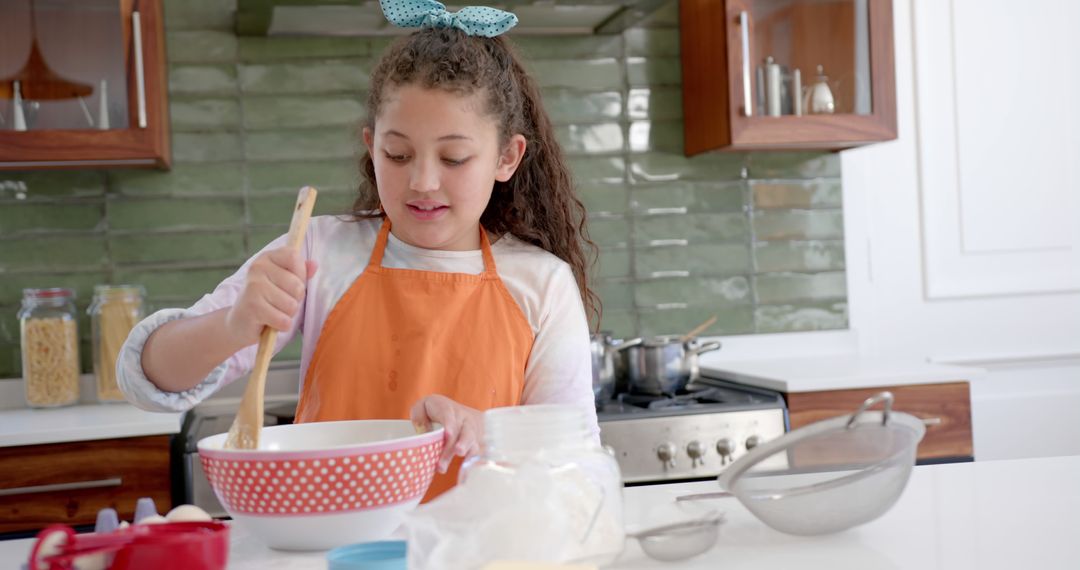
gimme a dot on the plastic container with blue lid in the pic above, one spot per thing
(382, 555)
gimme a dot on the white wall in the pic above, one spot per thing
(963, 235)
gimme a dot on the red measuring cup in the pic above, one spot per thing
(166, 546)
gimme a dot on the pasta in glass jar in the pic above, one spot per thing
(113, 313)
(50, 347)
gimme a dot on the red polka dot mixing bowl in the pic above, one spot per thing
(317, 486)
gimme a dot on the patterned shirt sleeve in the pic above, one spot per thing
(143, 393)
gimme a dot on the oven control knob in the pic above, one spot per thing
(752, 442)
(725, 447)
(666, 453)
(696, 451)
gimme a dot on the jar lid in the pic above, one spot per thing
(382, 555)
(49, 293)
(534, 427)
(118, 290)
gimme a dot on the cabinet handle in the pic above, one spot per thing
(744, 23)
(97, 484)
(140, 79)
(931, 421)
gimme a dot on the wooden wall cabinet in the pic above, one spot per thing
(947, 407)
(83, 83)
(726, 82)
(69, 482)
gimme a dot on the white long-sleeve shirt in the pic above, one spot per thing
(559, 368)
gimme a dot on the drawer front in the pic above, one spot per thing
(948, 406)
(69, 482)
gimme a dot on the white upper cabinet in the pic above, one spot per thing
(998, 123)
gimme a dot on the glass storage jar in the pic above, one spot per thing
(582, 478)
(50, 347)
(115, 310)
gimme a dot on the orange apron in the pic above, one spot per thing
(398, 335)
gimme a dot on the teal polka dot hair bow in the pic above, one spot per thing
(474, 20)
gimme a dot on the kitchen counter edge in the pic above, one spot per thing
(843, 372)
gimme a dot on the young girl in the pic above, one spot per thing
(457, 285)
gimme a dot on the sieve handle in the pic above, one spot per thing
(886, 397)
(700, 496)
(713, 519)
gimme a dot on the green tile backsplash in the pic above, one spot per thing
(755, 238)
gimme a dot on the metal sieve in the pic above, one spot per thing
(830, 475)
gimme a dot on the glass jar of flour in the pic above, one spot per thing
(573, 482)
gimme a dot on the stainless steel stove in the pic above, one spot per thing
(691, 435)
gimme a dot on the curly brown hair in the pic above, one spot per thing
(538, 204)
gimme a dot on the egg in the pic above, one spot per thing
(153, 519)
(51, 543)
(188, 513)
(99, 561)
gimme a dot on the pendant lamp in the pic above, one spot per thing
(37, 82)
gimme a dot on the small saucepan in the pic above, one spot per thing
(664, 365)
(608, 365)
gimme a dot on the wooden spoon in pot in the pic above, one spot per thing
(698, 329)
(244, 433)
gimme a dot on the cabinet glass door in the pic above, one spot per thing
(807, 57)
(63, 65)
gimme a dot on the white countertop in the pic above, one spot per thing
(25, 426)
(813, 374)
(89, 420)
(988, 515)
(983, 515)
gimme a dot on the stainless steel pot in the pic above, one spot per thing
(664, 364)
(607, 364)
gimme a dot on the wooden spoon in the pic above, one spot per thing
(698, 329)
(244, 433)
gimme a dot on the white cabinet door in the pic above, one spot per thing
(998, 119)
